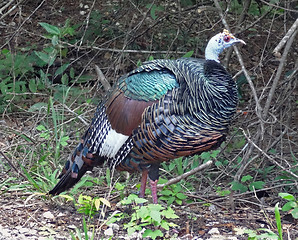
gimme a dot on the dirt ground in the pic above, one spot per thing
(24, 215)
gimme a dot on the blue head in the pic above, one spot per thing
(218, 43)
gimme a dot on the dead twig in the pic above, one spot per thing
(185, 175)
(240, 59)
(276, 6)
(21, 25)
(278, 74)
(285, 39)
(101, 77)
(13, 166)
(9, 7)
(267, 156)
(77, 115)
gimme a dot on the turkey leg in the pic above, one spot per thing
(153, 178)
(143, 183)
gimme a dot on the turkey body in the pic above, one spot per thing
(162, 110)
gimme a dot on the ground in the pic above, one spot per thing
(115, 37)
(25, 216)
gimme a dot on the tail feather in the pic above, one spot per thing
(77, 165)
(67, 181)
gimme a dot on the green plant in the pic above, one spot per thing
(154, 9)
(40, 178)
(98, 27)
(181, 165)
(90, 206)
(78, 235)
(246, 184)
(268, 234)
(292, 204)
(17, 78)
(278, 221)
(254, 235)
(255, 8)
(172, 194)
(222, 192)
(55, 34)
(149, 217)
(120, 188)
(86, 182)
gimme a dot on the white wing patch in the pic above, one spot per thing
(112, 143)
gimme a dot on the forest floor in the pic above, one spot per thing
(24, 215)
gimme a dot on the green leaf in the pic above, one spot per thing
(119, 186)
(215, 153)
(152, 234)
(164, 224)
(152, 12)
(63, 141)
(155, 207)
(288, 206)
(140, 200)
(171, 200)
(287, 196)
(246, 178)
(61, 69)
(238, 186)
(50, 28)
(169, 213)
(150, 58)
(166, 192)
(47, 58)
(66, 197)
(218, 164)
(240, 143)
(188, 54)
(295, 213)
(55, 40)
(181, 196)
(172, 165)
(41, 128)
(72, 72)
(33, 85)
(278, 221)
(143, 212)
(64, 79)
(37, 106)
(205, 156)
(256, 185)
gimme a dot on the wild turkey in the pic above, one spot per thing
(162, 110)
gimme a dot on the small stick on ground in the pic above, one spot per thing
(12, 165)
(185, 175)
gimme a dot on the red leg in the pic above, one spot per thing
(153, 185)
(143, 183)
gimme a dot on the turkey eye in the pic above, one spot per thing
(227, 38)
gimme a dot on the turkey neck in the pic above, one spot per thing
(210, 95)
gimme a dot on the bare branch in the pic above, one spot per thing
(278, 74)
(267, 156)
(273, 5)
(284, 40)
(185, 175)
(21, 25)
(12, 165)
(101, 77)
(248, 78)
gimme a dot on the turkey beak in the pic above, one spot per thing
(237, 40)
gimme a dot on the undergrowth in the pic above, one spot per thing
(54, 91)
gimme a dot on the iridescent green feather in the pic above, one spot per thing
(148, 84)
